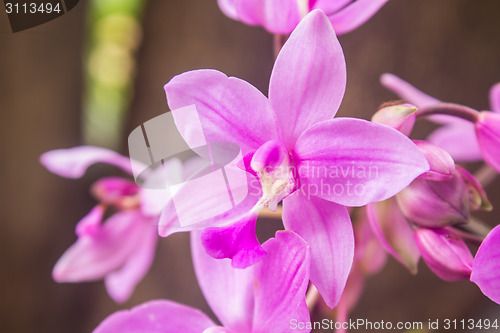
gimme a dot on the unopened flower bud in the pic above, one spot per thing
(445, 253)
(400, 117)
(435, 203)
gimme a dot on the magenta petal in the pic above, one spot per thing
(441, 164)
(355, 14)
(228, 291)
(90, 224)
(459, 140)
(488, 136)
(280, 284)
(228, 7)
(277, 16)
(328, 6)
(394, 232)
(327, 228)
(105, 250)
(486, 266)
(445, 253)
(73, 162)
(158, 316)
(495, 98)
(406, 91)
(309, 77)
(121, 283)
(229, 109)
(353, 162)
(237, 242)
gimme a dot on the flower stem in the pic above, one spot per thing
(279, 41)
(312, 297)
(449, 109)
(485, 175)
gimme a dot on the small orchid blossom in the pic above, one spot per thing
(119, 249)
(262, 298)
(458, 136)
(282, 16)
(297, 153)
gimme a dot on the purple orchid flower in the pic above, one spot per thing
(267, 297)
(121, 248)
(295, 152)
(457, 136)
(282, 16)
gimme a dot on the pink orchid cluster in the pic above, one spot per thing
(409, 197)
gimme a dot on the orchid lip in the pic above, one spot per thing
(272, 164)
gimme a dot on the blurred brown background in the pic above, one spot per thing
(448, 48)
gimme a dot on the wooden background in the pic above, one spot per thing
(449, 48)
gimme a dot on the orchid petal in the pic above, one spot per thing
(353, 162)
(228, 7)
(90, 223)
(486, 266)
(73, 162)
(459, 140)
(209, 204)
(495, 98)
(280, 284)
(277, 16)
(309, 77)
(406, 91)
(119, 192)
(327, 228)
(228, 291)
(441, 164)
(121, 283)
(394, 232)
(105, 250)
(329, 6)
(237, 242)
(158, 316)
(354, 15)
(229, 110)
(445, 253)
(369, 255)
(488, 136)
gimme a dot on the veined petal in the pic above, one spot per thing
(73, 162)
(353, 162)
(488, 136)
(228, 291)
(327, 228)
(394, 232)
(105, 250)
(121, 283)
(459, 140)
(280, 284)
(237, 242)
(486, 266)
(229, 109)
(355, 14)
(406, 91)
(309, 77)
(158, 316)
(276, 16)
(495, 98)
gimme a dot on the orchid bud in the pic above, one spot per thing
(435, 203)
(475, 192)
(400, 117)
(488, 136)
(445, 253)
(440, 161)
